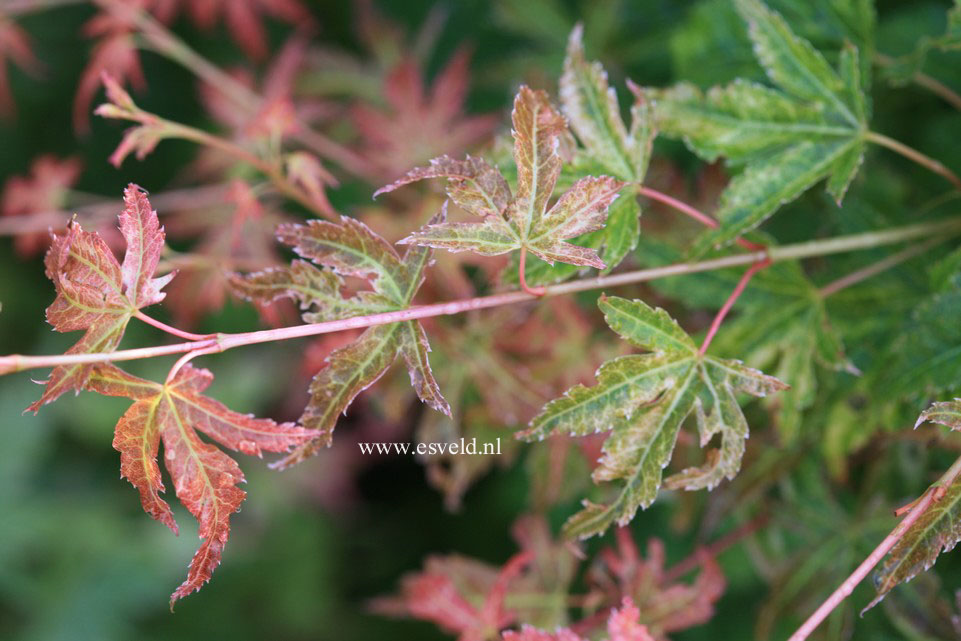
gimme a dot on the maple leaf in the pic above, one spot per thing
(115, 54)
(522, 221)
(227, 240)
(665, 606)
(937, 530)
(419, 124)
(243, 18)
(812, 126)
(15, 45)
(462, 596)
(622, 625)
(349, 249)
(98, 294)
(591, 107)
(205, 479)
(43, 191)
(782, 327)
(643, 399)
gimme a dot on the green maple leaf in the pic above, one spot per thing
(350, 249)
(643, 399)
(937, 529)
(812, 126)
(522, 220)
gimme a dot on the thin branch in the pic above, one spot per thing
(167, 44)
(933, 494)
(924, 80)
(714, 549)
(915, 156)
(840, 244)
(729, 303)
(880, 266)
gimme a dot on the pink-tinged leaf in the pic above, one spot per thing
(95, 293)
(350, 249)
(473, 184)
(522, 221)
(115, 54)
(537, 128)
(666, 607)
(622, 625)
(15, 46)
(205, 479)
(145, 243)
(44, 190)
(582, 208)
(462, 596)
(567, 253)
(487, 238)
(419, 124)
(305, 171)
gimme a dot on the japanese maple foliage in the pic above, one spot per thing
(636, 405)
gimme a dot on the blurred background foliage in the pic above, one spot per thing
(79, 559)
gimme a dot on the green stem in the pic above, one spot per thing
(915, 156)
(221, 342)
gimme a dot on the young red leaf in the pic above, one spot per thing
(524, 220)
(96, 293)
(665, 606)
(42, 192)
(15, 45)
(622, 625)
(205, 479)
(419, 123)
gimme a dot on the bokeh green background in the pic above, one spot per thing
(79, 559)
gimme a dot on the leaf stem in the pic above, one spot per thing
(924, 80)
(179, 333)
(688, 210)
(167, 44)
(880, 266)
(931, 495)
(840, 244)
(729, 303)
(915, 156)
(522, 276)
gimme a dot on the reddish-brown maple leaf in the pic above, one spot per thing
(665, 607)
(244, 18)
(98, 294)
(14, 45)
(239, 235)
(205, 479)
(622, 625)
(43, 191)
(462, 596)
(114, 54)
(419, 124)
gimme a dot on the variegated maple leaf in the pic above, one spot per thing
(205, 479)
(643, 399)
(937, 530)
(522, 220)
(349, 249)
(812, 126)
(98, 294)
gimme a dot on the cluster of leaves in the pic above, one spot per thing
(561, 197)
